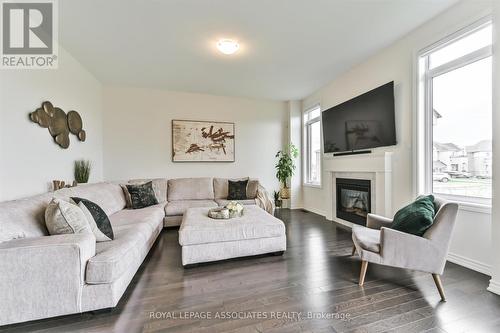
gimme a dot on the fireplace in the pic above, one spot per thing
(353, 199)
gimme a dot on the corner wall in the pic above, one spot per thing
(471, 244)
(138, 142)
(30, 159)
(495, 228)
(295, 137)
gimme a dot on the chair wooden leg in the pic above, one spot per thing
(364, 266)
(353, 250)
(439, 285)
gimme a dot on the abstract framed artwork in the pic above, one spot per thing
(202, 141)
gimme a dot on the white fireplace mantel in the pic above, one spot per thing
(374, 167)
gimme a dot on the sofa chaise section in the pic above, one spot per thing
(45, 276)
(135, 232)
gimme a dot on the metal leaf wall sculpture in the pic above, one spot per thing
(59, 123)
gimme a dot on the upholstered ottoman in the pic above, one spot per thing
(204, 239)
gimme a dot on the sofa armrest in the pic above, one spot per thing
(376, 221)
(43, 276)
(410, 251)
(264, 200)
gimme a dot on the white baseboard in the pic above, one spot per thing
(494, 287)
(452, 257)
(314, 211)
(469, 263)
(343, 222)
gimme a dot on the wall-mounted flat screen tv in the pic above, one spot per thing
(364, 122)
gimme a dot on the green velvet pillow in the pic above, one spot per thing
(415, 218)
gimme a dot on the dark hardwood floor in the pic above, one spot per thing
(317, 274)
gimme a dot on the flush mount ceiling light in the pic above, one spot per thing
(228, 46)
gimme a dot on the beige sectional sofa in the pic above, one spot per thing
(45, 276)
(184, 193)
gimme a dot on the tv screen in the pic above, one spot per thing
(364, 122)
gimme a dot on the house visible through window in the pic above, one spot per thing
(457, 94)
(312, 146)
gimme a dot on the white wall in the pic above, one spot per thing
(137, 137)
(397, 63)
(30, 159)
(295, 137)
(495, 230)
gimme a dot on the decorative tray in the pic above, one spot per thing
(224, 213)
(220, 213)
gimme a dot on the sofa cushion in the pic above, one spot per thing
(159, 187)
(24, 217)
(221, 187)
(152, 215)
(172, 221)
(224, 202)
(253, 185)
(116, 257)
(108, 196)
(128, 198)
(368, 239)
(190, 189)
(198, 228)
(179, 207)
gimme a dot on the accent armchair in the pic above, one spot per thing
(377, 243)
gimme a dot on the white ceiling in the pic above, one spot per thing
(289, 48)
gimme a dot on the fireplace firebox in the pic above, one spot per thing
(353, 199)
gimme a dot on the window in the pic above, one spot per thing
(312, 146)
(456, 94)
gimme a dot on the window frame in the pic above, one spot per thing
(424, 114)
(306, 151)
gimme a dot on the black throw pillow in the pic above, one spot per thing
(97, 218)
(237, 190)
(142, 195)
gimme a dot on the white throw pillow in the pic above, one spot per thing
(62, 217)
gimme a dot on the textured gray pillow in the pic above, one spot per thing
(252, 188)
(221, 185)
(62, 217)
(237, 190)
(159, 186)
(142, 195)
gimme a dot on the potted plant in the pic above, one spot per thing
(277, 200)
(82, 171)
(285, 168)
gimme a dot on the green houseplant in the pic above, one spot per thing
(82, 171)
(277, 200)
(285, 168)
